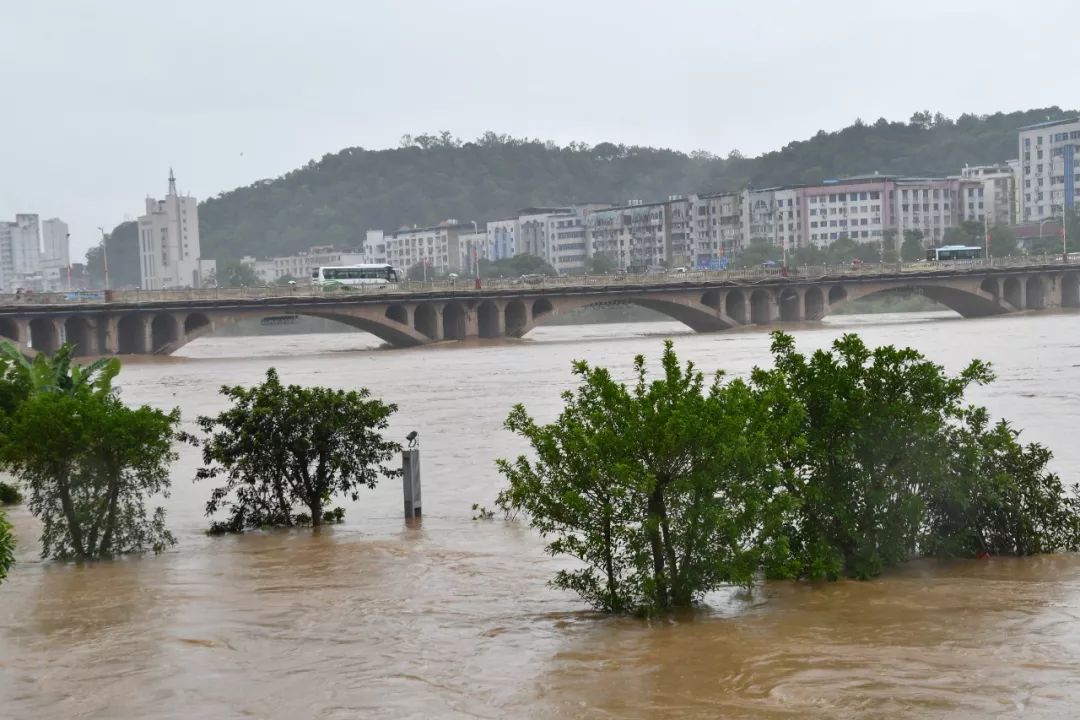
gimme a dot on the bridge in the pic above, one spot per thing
(411, 314)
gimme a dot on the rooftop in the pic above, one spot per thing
(1050, 123)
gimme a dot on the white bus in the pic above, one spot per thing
(349, 275)
(955, 252)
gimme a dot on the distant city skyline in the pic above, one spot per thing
(116, 96)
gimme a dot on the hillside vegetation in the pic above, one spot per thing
(433, 177)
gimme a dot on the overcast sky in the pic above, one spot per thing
(100, 98)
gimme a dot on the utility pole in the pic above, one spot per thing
(105, 254)
(476, 256)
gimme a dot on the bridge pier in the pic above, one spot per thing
(110, 335)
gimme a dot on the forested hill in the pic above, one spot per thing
(430, 178)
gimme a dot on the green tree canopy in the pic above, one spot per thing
(658, 488)
(279, 446)
(89, 462)
(841, 463)
(235, 274)
(913, 248)
(1002, 241)
(516, 266)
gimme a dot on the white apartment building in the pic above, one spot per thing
(265, 270)
(716, 226)
(933, 205)
(301, 266)
(502, 238)
(472, 246)
(1050, 168)
(438, 246)
(680, 231)
(857, 209)
(56, 248)
(20, 250)
(557, 235)
(169, 250)
(787, 219)
(375, 248)
(997, 194)
(631, 236)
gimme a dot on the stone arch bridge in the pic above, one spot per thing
(402, 319)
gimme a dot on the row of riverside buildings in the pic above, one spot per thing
(34, 255)
(699, 230)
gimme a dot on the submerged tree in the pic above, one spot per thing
(659, 488)
(281, 446)
(88, 462)
(841, 463)
(890, 464)
(7, 546)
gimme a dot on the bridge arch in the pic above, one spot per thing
(164, 333)
(44, 335)
(196, 324)
(426, 321)
(713, 298)
(814, 302)
(9, 329)
(790, 305)
(517, 319)
(487, 318)
(837, 294)
(131, 334)
(1035, 293)
(964, 302)
(454, 324)
(541, 307)
(398, 313)
(992, 287)
(1070, 290)
(735, 306)
(701, 318)
(79, 333)
(761, 302)
(1013, 292)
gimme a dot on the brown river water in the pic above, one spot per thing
(452, 618)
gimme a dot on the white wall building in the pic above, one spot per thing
(472, 246)
(20, 251)
(856, 209)
(502, 238)
(169, 250)
(438, 246)
(1050, 168)
(998, 193)
(375, 248)
(265, 270)
(301, 266)
(633, 235)
(56, 252)
(555, 234)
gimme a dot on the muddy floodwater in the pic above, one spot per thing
(452, 618)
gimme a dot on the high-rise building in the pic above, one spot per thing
(1050, 168)
(169, 251)
(20, 250)
(996, 199)
(56, 251)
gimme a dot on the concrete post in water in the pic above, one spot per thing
(410, 481)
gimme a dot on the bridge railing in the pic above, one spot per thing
(462, 285)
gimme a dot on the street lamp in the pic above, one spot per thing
(105, 254)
